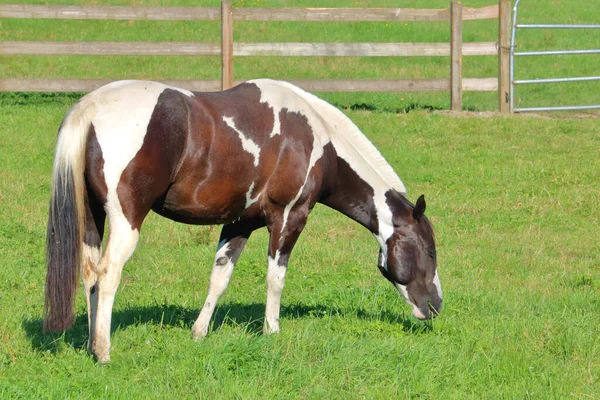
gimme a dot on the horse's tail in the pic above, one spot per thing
(66, 220)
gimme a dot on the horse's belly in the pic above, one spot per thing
(206, 204)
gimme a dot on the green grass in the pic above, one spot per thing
(514, 201)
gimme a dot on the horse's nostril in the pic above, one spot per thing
(435, 309)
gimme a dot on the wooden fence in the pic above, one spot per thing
(227, 49)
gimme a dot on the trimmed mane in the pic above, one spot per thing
(344, 133)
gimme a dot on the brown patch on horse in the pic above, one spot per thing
(96, 191)
(149, 174)
(212, 182)
(353, 197)
(291, 168)
(242, 103)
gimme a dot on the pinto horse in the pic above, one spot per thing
(260, 154)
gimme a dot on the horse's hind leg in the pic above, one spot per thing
(92, 244)
(122, 240)
(231, 243)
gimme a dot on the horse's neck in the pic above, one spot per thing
(371, 204)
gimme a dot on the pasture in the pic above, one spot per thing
(514, 201)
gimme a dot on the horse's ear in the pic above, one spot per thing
(419, 209)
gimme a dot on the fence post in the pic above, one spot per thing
(226, 45)
(504, 56)
(456, 56)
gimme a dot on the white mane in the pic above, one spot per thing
(350, 143)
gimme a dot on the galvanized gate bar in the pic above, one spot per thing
(513, 54)
(565, 108)
(556, 52)
(512, 57)
(554, 80)
(558, 26)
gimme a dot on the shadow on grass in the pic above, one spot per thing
(39, 98)
(249, 316)
(408, 107)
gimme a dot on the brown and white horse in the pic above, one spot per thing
(260, 154)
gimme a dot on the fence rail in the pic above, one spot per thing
(323, 85)
(227, 49)
(242, 14)
(287, 49)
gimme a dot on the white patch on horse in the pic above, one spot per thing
(121, 244)
(275, 283)
(317, 152)
(249, 199)
(384, 215)
(247, 144)
(273, 99)
(123, 112)
(219, 280)
(279, 95)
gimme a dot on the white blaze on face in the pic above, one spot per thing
(437, 283)
(416, 312)
(123, 112)
(247, 144)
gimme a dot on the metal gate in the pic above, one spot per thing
(514, 54)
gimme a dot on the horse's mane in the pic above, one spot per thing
(344, 133)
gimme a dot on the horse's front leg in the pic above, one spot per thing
(285, 229)
(231, 243)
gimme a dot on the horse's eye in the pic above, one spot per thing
(431, 252)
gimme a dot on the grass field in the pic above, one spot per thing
(514, 201)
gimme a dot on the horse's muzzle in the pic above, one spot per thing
(428, 309)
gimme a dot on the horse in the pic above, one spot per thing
(260, 154)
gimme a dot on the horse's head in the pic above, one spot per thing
(408, 260)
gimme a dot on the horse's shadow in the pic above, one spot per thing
(248, 316)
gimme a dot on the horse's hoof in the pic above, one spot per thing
(270, 328)
(198, 334)
(102, 359)
(100, 353)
